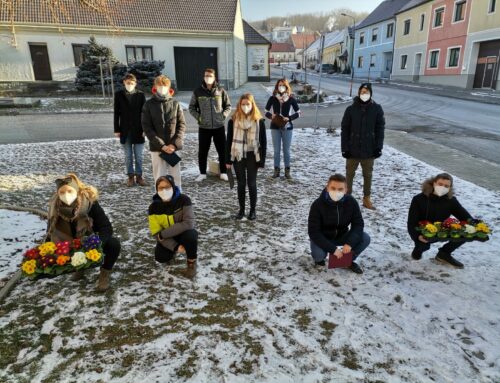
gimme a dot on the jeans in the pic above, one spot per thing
(205, 140)
(447, 248)
(133, 152)
(319, 254)
(188, 239)
(367, 169)
(246, 172)
(285, 136)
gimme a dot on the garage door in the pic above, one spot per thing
(190, 64)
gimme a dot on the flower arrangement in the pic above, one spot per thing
(51, 259)
(451, 229)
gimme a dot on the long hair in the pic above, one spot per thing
(285, 82)
(89, 192)
(428, 185)
(255, 114)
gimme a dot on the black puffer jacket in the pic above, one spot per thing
(127, 116)
(210, 107)
(329, 220)
(363, 127)
(163, 122)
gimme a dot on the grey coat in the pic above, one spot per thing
(210, 107)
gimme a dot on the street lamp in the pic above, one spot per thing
(353, 44)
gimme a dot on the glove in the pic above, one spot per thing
(346, 154)
(377, 153)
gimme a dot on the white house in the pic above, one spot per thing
(38, 45)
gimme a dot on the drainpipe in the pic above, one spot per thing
(393, 47)
(227, 63)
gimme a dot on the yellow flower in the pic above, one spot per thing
(482, 227)
(431, 228)
(93, 255)
(47, 248)
(29, 266)
(456, 226)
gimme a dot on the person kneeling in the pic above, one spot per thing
(329, 220)
(172, 222)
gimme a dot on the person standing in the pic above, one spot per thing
(282, 109)
(128, 127)
(210, 106)
(362, 139)
(246, 149)
(164, 125)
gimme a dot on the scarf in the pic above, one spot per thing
(245, 135)
(62, 217)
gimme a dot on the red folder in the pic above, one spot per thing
(335, 263)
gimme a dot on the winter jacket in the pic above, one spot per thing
(363, 127)
(163, 123)
(330, 220)
(210, 107)
(427, 206)
(127, 116)
(171, 218)
(289, 109)
(262, 142)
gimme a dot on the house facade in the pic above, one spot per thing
(281, 52)
(257, 54)
(283, 34)
(42, 47)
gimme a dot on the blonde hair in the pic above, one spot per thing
(89, 192)
(255, 114)
(162, 80)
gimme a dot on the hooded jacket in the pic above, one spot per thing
(168, 219)
(163, 122)
(427, 206)
(210, 107)
(330, 220)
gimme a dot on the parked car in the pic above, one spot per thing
(326, 68)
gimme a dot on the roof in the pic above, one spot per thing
(252, 36)
(412, 4)
(145, 14)
(386, 10)
(282, 47)
(331, 38)
(302, 40)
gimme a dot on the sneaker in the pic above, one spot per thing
(320, 263)
(356, 268)
(201, 177)
(447, 258)
(223, 177)
(416, 254)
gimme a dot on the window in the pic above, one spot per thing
(390, 30)
(374, 34)
(79, 53)
(454, 55)
(493, 6)
(373, 60)
(434, 59)
(360, 61)
(404, 61)
(406, 30)
(361, 38)
(460, 11)
(438, 17)
(422, 21)
(139, 53)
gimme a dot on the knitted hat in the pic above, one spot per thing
(367, 86)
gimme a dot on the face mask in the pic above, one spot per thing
(162, 90)
(209, 80)
(440, 190)
(282, 89)
(365, 97)
(246, 108)
(166, 194)
(336, 195)
(68, 198)
(130, 88)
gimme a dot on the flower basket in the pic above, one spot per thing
(453, 230)
(51, 259)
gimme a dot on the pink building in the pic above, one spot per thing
(447, 41)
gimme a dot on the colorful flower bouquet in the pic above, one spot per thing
(52, 259)
(451, 229)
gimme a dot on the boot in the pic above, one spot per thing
(416, 254)
(240, 214)
(130, 181)
(447, 258)
(252, 216)
(140, 181)
(368, 203)
(77, 275)
(190, 268)
(103, 281)
(356, 268)
(276, 173)
(288, 176)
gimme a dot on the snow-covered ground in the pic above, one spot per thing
(259, 310)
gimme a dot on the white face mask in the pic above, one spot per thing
(336, 195)
(162, 90)
(440, 190)
(130, 88)
(69, 197)
(166, 194)
(209, 80)
(246, 108)
(282, 89)
(365, 97)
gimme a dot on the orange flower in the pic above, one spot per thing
(62, 260)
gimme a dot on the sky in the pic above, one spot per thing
(261, 9)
